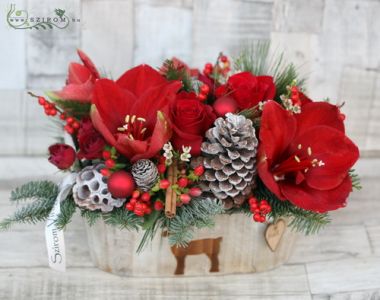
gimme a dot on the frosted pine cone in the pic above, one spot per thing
(145, 174)
(90, 190)
(229, 157)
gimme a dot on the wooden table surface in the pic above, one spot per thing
(342, 262)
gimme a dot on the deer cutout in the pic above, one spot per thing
(210, 247)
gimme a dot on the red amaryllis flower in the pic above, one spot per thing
(131, 113)
(305, 158)
(62, 156)
(80, 81)
(191, 119)
(248, 90)
(91, 142)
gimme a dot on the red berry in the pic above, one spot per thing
(252, 201)
(205, 89)
(53, 112)
(161, 168)
(256, 210)
(135, 194)
(139, 212)
(202, 97)
(183, 182)
(223, 58)
(129, 206)
(195, 192)
(70, 120)
(257, 217)
(164, 184)
(148, 210)
(158, 205)
(133, 201)
(41, 100)
(62, 116)
(110, 163)
(69, 129)
(185, 198)
(105, 172)
(47, 105)
(106, 154)
(264, 202)
(262, 219)
(208, 66)
(341, 117)
(199, 170)
(162, 159)
(75, 125)
(145, 197)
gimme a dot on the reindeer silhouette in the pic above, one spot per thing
(210, 247)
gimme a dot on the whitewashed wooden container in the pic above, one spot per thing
(235, 245)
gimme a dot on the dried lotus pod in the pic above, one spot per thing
(91, 192)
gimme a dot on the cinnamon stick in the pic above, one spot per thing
(171, 196)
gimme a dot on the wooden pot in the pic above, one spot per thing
(235, 245)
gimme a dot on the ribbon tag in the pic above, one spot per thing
(55, 241)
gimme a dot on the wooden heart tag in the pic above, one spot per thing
(274, 233)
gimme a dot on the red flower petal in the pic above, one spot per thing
(112, 102)
(319, 201)
(334, 149)
(139, 79)
(88, 63)
(100, 126)
(78, 92)
(278, 128)
(78, 74)
(319, 113)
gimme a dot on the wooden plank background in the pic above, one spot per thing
(334, 42)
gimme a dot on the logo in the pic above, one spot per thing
(20, 19)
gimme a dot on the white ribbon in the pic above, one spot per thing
(55, 241)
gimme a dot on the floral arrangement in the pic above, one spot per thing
(172, 147)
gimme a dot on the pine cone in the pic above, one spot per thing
(145, 173)
(90, 190)
(229, 158)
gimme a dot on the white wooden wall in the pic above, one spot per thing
(335, 42)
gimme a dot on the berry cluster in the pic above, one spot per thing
(140, 204)
(259, 209)
(203, 92)
(71, 126)
(222, 67)
(109, 161)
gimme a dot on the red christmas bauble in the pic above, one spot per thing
(225, 105)
(121, 184)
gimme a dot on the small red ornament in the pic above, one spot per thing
(121, 184)
(225, 105)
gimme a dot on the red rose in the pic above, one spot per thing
(248, 90)
(62, 156)
(305, 158)
(190, 120)
(91, 142)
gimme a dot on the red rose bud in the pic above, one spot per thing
(158, 205)
(62, 156)
(185, 198)
(164, 184)
(183, 182)
(161, 168)
(195, 192)
(91, 143)
(199, 170)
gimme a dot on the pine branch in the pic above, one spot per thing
(34, 190)
(90, 216)
(31, 213)
(175, 73)
(68, 208)
(355, 180)
(123, 219)
(198, 214)
(72, 107)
